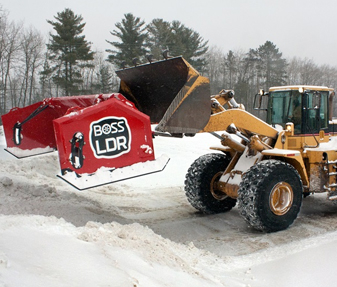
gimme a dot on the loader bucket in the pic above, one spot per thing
(171, 92)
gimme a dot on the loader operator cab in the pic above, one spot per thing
(306, 107)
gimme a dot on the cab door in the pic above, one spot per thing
(314, 112)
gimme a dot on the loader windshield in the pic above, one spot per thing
(285, 106)
(308, 114)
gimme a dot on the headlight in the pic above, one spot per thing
(289, 128)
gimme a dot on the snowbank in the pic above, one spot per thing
(142, 232)
(45, 251)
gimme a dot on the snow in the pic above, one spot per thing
(143, 232)
(325, 146)
(28, 152)
(276, 151)
(106, 175)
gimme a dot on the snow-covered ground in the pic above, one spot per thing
(143, 232)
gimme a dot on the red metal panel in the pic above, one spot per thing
(37, 132)
(110, 134)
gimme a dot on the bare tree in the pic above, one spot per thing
(32, 49)
(308, 72)
(214, 68)
(100, 77)
(10, 35)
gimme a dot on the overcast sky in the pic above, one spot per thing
(303, 28)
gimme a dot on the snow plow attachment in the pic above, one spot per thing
(171, 92)
(106, 138)
(100, 138)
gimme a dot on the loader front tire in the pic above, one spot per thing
(200, 181)
(270, 195)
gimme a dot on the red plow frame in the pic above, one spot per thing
(92, 132)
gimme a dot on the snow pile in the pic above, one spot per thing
(142, 232)
(45, 251)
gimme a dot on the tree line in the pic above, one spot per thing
(33, 68)
(246, 72)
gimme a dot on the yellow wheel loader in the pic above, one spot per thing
(265, 166)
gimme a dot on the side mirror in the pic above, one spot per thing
(258, 100)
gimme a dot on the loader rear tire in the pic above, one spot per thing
(270, 195)
(199, 184)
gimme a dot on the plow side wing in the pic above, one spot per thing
(29, 130)
(171, 92)
(35, 136)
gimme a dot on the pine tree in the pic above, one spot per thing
(69, 51)
(179, 40)
(105, 79)
(132, 34)
(136, 40)
(189, 44)
(160, 37)
(270, 65)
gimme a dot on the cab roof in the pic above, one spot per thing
(305, 87)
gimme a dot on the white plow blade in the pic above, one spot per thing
(107, 175)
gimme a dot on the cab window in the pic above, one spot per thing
(278, 107)
(308, 111)
(316, 117)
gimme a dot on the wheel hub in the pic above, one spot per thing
(215, 188)
(281, 198)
